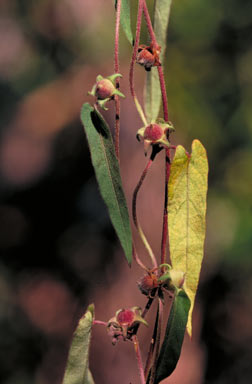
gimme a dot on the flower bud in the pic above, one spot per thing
(155, 133)
(148, 56)
(105, 89)
(148, 283)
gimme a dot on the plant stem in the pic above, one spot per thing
(166, 118)
(100, 322)
(158, 338)
(165, 215)
(149, 24)
(134, 202)
(163, 92)
(132, 63)
(138, 261)
(139, 358)
(116, 70)
(151, 348)
(160, 69)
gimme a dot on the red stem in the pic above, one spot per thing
(160, 69)
(163, 92)
(166, 118)
(138, 261)
(158, 338)
(139, 358)
(100, 322)
(149, 24)
(116, 70)
(134, 54)
(139, 184)
(165, 216)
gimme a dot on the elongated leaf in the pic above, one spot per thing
(77, 371)
(187, 189)
(108, 174)
(125, 19)
(174, 336)
(152, 89)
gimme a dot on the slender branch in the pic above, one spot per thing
(165, 215)
(163, 92)
(151, 348)
(138, 261)
(149, 24)
(160, 70)
(139, 358)
(100, 322)
(116, 70)
(158, 338)
(145, 311)
(132, 63)
(134, 202)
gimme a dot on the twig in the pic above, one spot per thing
(139, 358)
(134, 213)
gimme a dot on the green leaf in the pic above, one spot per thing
(125, 19)
(152, 89)
(174, 336)
(77, 371)
(108, 174)
(187, 189)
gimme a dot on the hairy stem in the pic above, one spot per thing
(149, 24)
(116, 70)
(132, 63)
(139, 358)
(163, 92)
(160, 70)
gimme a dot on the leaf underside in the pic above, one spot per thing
(77, 370)
(174, 336)
(152, 87)
(125, 19)
(108, 174)
(187, 189)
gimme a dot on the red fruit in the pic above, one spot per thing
(104, 89)
(148, 56)
(125, 317)
(145, 58)
(153, 132)
(148, 283)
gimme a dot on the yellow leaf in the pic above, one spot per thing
(187, 189)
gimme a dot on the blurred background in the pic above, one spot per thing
(58, 249)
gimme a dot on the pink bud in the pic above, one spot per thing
(104, 89)
(153, 132)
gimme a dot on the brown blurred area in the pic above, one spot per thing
(58, 249)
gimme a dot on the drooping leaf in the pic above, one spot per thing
(108, 174)
(187, 189)
(77, 369)
(125, 19)
(174, 336)
(152, 89)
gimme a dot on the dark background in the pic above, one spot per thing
(58, 249)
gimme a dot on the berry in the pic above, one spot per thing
(153, 132)
(104, 89)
